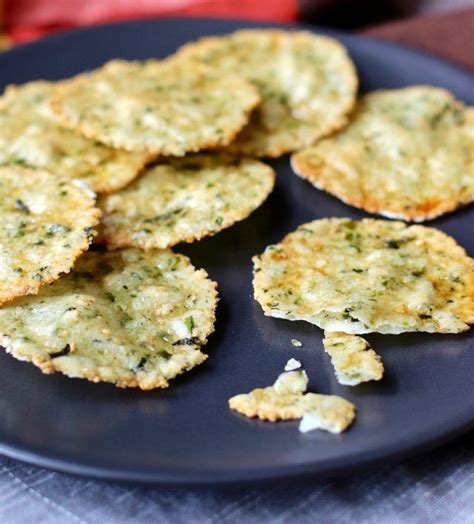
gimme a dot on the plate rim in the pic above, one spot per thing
(210, 477)
(462, 423)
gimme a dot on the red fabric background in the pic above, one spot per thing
(448, 34)
(27, 19)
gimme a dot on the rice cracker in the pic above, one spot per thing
(156, 107)
(182, 200)
(46, 223)
(408, 153)
(30, 135)
(307, 83)
(367, 276)
(130, 318)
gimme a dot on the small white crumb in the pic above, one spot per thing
(84, 186)
(292, 364)
(296, 343)
(309, 422)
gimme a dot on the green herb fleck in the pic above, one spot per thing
(62, 352)
(189, 323)
(19, 204)
(164, 216)
(109, 296)
(392, 244)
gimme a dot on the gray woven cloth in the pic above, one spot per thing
(435, 487)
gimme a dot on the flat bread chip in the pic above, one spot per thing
(307, 83)
(46, 223)
(408, 153)
(131, 318)
(353, 358)
(287, 400)
(367, 276)
(182, 200)
(158, 107)
(30, 135)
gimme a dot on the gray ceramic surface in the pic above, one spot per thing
(187, 434)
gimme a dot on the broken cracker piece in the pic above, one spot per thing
(353, 358)
(287, 400)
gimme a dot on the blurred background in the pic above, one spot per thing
(445, 27)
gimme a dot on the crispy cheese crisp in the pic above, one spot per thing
(30, 135)
(157, 107)
(46, 223)
(131, 318)
(182, 200)
(307, 83)
(408, 153)
(353, 358)
(287, 400)
(367, 276)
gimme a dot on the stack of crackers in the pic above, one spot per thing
(102, 174)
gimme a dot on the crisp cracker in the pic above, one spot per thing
(307, 83)
(287, 400)
(46, 223)
(353, 358)
(408, 153)
(367, 276)
(158, 107)
(131, 318)
(182, 200)
(30, 135)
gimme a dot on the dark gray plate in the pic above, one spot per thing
(186, 434)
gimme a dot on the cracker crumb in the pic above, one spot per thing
(309, 422)
(292, 364)
(297, 343)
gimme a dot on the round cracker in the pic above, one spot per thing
(408, 153)
(30, 135)
(47, 222)
(183, 200)
(131, 318)
(367, 276)
(307, 83)
(158, 107)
